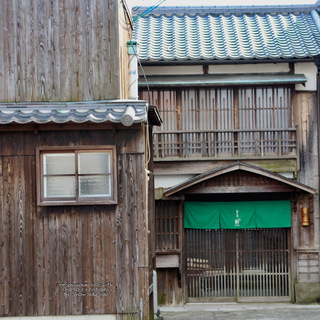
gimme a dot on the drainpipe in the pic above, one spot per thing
(133, 69)
(316, 213)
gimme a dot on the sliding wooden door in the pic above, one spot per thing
(238, 265)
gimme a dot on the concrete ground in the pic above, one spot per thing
(241, 311)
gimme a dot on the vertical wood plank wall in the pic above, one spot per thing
(223, 108)
(48, 253)
(306, 115)
(212, 122)
(169, 243)
(63, 50)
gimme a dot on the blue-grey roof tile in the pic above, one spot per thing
(96, 112)
(181, 36)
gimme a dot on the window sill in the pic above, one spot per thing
(75, 203)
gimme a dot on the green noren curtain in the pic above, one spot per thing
(237, 215)
(273, 214)
(201, 215)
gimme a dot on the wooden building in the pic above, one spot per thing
(237, 158)
(76, 180)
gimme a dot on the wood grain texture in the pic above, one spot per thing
(132, 237)
(49, 254)
(63, 50)
(63, 252)
(222, 122)
(69, 260)
(306, 116)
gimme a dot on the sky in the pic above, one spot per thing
(149, 3)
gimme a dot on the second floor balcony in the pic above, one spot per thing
(222, 144)
(224, 123)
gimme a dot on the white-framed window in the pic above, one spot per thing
(76, 175)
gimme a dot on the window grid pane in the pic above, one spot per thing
(94, 186)
(94, 162)
(77, 175)
(58, 163)
(59, 187)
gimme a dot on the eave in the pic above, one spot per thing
(222, 80)
(125, 112)
(288, 183)
(153, 63)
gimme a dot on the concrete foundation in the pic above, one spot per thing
(307, 292)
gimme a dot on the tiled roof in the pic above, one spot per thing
(126, 112)
(182, 34)
(235, 166)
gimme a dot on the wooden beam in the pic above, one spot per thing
(196, 182)
(168, 261)
(66, 127)
(192, 166)
(241, 189)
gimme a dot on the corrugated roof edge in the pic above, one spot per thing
(126, 112)
(227, 9)
(114, 103)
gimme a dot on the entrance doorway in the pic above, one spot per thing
(238, 264)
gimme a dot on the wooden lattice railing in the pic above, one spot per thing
(168, 227)
(225, 143)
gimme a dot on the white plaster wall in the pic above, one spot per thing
(168, 181)
(216, 69)
(288, 175)
(309, 69)
(249, 68)
(171, 70)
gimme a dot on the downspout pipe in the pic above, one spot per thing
(316, 19)
(133, 69)
(316, 213)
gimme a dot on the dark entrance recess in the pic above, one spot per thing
(238, 265)
(224, 259)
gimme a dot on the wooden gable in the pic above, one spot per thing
(238, 178)
(240, 182)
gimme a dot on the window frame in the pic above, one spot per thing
(60, 201)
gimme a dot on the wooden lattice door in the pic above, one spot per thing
(238, 265)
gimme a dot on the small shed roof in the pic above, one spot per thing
(126, 112)
(232, 167)
(178, 34)
(221, 80)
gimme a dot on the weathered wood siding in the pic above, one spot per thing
(132, 236)
(308, 173)
(170, 291)
(63, 50)
(170, 245)
(47, 254)
(306, 267)
(219, 122)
